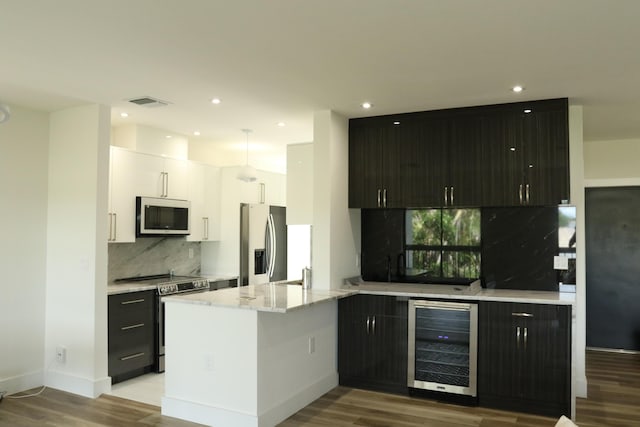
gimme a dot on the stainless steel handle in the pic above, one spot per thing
(520, 193)
(274, 252)
(368, 324)
(133, 356)
(373, 325)
(126, 328)
(518, 337)
(166, 189)
(262, 192)
(522, 314)
(384, 198)
(110, 238)
(115, 227)
(379, 196)
(451, 195)
(162, 184)
(446, 192)
(527, 193)
(271, 246)
(133, 301)
(205, 221)
(525, 338)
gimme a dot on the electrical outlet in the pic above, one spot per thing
(61, 354)
(312, 345)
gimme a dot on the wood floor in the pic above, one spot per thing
(614, 400)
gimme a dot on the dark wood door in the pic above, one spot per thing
(365, 166)
(372, 341)
(464, 177)
(502, 151)
(524, 357)
(546, 157)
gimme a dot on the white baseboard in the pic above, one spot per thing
(82, 386)
(581, 387)
(210, 415)
(22, 382)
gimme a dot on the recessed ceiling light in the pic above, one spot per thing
(196, 132)
(527, 111)
(396, 123)
(168, 136)
(124, 115)
(281, 124)
(366, 105)
(517, 89)
(216, 101)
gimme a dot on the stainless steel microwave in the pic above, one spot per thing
(162, 217)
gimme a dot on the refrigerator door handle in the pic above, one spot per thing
(273, 245)
(268, 249)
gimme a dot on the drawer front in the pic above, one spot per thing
(131, 309)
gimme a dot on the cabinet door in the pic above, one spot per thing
(464, 159)
(176, 178)
(198, 220)
(524, 357)
(546, 157)
(354, 345)
(365, 166)
(502, 159)
(123, 191)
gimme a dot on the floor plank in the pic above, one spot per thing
(614, 400)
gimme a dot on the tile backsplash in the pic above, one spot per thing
(150, 255)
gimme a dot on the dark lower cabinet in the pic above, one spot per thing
(131, 334)
(372, 342)
(524, 357)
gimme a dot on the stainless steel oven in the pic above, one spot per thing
(443, 346)
(185, 285)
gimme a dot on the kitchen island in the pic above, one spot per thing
(249, 356)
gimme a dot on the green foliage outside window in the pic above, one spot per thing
(443, 242)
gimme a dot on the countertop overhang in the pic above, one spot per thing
(269, 297)
(472, 292)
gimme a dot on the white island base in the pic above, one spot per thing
(249, 365)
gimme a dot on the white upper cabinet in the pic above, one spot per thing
(161, 177)
(122, 195)
(204, 194)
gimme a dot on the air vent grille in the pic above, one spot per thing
(149, 102)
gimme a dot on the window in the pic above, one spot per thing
(443, 243)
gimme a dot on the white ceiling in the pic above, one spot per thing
(281, 60)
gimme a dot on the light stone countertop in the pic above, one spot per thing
(270, 297)
(472, 292)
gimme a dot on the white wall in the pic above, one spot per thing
(613, 159)
(576, 172)
(146, 139)
(222, 258)
(336, 229)
(300, 184)
(76, 295)
(24, 143)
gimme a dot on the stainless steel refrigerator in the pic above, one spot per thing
(263, 244)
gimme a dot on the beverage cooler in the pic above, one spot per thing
(443, 343)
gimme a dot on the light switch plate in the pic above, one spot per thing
(560, 263)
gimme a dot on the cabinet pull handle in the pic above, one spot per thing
(133, 356)
(126, 328)
(166, 184)
(373, 325)
(525, 338)
(379, 196)
(522, 314)
(133, 301)
(518, 337)
(115, 227)
(452, 196)
(446, 191)
(520, 193)
(527, 193)
(206, 227)
(384, 198)
(162, 184)
(368, 323)
(110, 226)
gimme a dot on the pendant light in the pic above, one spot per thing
(247, 173)
(5, 113)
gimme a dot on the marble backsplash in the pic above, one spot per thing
(150, 255)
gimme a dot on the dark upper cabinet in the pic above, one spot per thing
(524, 357)
(496, 155)
(525, 154)
(372, 342)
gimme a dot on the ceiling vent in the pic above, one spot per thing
(149, 102)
